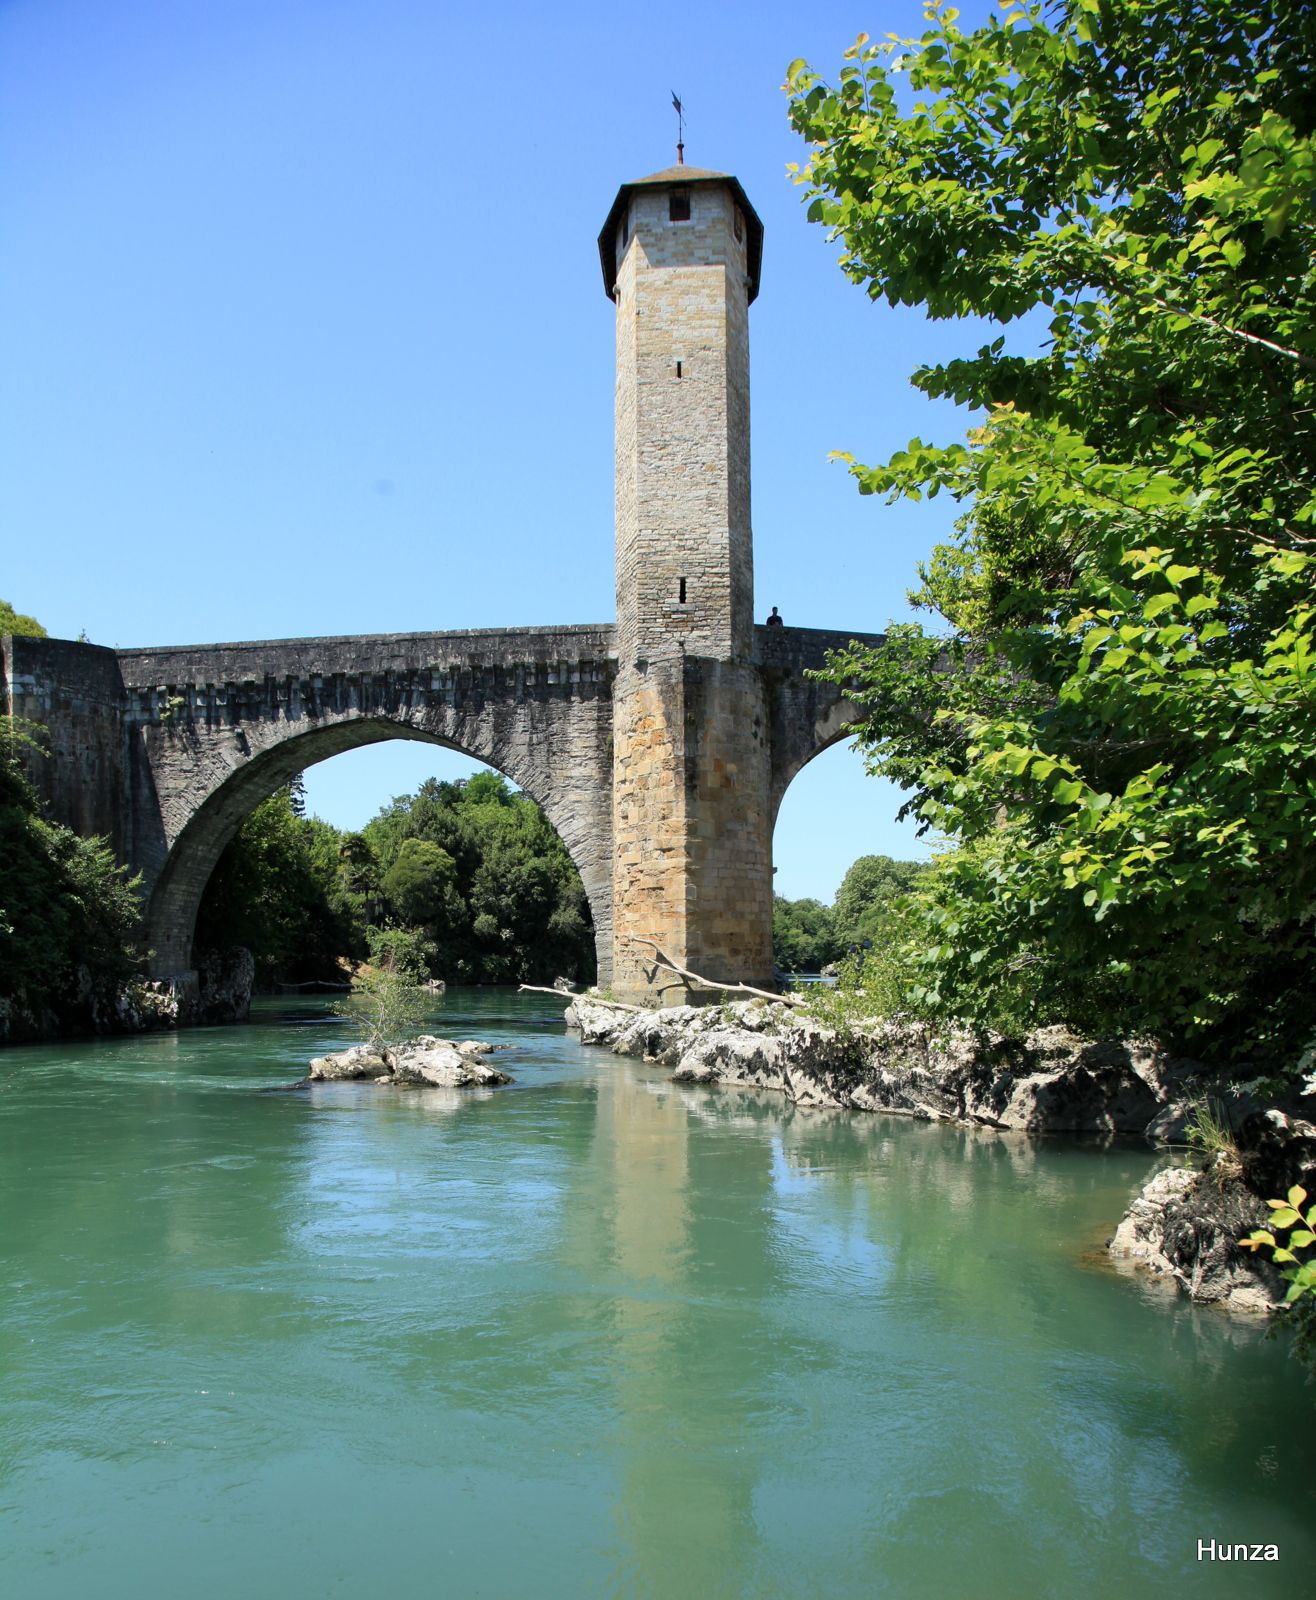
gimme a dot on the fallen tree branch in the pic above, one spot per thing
(570, 994)
(709, 983)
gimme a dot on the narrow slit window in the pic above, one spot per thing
(678, 369)
(678, 205)
(739, 225)
(681, 601)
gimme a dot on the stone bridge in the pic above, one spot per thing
(167, 751)
(659, 746)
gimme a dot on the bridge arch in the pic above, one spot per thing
(831, 725)
(211, 785)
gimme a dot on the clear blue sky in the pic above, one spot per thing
(305, 333)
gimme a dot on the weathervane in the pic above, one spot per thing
(680, 131)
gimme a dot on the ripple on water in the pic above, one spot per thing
(594, 1334)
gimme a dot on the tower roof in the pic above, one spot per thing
(692, 177)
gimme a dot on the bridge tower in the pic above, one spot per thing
(692, 807)
(658, 747)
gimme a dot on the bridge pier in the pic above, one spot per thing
(692, 828)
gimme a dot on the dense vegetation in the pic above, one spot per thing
(1113, 712)
(807, 935)
(284, 890)
(470, 872)
(12, 621)
(64, 903)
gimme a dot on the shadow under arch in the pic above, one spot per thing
(218, 809)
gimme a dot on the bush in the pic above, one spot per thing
(65, 902)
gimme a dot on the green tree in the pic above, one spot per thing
(407, 951)
(478, 866)
(869, 893)
(1297, 1264)
(278, 890)
(64, 901)
(385, 1005)
(12, 621)
(421, 885)
(1115, 715)
(803, 934)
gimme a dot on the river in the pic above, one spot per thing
(595, 1334)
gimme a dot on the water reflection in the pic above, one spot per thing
(618, 1335)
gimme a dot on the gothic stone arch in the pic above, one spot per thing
(208, 740)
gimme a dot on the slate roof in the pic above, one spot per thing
(693, 176)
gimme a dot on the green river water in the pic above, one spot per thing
(594, 1334)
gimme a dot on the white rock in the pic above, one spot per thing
(361, 1061)
(441, 1065)
(423, 1060)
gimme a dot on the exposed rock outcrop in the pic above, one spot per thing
(423, 1061)
(225, 978)
(1051, 1081)
(1185, 1225)
(218, 989)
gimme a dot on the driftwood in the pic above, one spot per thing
(709, 983)
(570, 994)
(668, 965)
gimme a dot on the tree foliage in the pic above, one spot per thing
(386, 1004)
(480, 869)
(278, 889)
(1115, 714)
(870, 893)
(1296, 1262)
(869, 907)
(803, 935)
(12, 621)
(64, 902)
(465, 881)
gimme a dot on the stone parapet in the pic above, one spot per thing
(483, 658)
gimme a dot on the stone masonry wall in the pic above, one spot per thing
(218, 728)
(75, 692)
(692, 826)
(682, 416)
(651, 852)
(659, 749)
(728, 802)
(705, 739)
(805, 717)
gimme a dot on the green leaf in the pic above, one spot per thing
(1138, 186)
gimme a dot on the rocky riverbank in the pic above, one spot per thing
(217, 991)
(1184, 1225)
